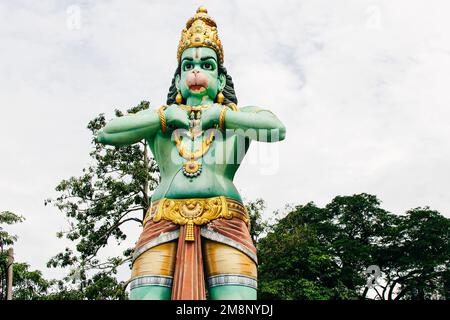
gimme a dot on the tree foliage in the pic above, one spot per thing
(258, 226)
(6, 240)
(323, 253)
(110, 193)
(29, 285)
(101, 286)
(8, 218)
(415, 256)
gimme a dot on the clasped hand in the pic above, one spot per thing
(178, 118)
(210, 116)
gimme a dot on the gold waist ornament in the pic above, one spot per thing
(198, 211)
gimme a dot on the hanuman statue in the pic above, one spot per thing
(196, 233)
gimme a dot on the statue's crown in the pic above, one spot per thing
(200, 31)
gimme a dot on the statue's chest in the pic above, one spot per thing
(202, 143)
(210, 147)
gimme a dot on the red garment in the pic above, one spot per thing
(189, 282)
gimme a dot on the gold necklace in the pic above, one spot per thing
(194, 114)
(194, 108)
(191, 168)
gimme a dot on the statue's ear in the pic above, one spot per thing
(177, 81)
(222, 81)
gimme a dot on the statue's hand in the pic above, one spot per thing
(176, 117)
(100, 137)
(210, 116)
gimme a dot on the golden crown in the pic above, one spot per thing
(200, 31)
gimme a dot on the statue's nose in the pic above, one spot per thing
(195, 71)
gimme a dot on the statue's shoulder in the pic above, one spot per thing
(250, 109)
(146, 111)
(253, 109)
(151, 110)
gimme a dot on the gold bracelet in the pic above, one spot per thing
(233, 106)
(162, 119)
(222, 118)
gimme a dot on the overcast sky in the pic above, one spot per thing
(362, 87)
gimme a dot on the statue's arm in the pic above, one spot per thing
(256, 123)
(130, 129)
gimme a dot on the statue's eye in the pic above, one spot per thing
(188, 66)
(207, 66)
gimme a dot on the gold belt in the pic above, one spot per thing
(198, 211)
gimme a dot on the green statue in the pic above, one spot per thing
(196, 231)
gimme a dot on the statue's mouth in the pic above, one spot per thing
(197, 88)
(197, 82)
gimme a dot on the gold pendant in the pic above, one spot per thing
(192, 168)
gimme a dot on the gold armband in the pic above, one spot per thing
(233, 106)
(162, 119)
(222, 118)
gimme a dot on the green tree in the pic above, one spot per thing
(415, 257)
(28, 285)
(296, 261)
(6, 240)
(359, 223)
(101, 286)
(111, 193)
(323, 253)
(258, 226)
